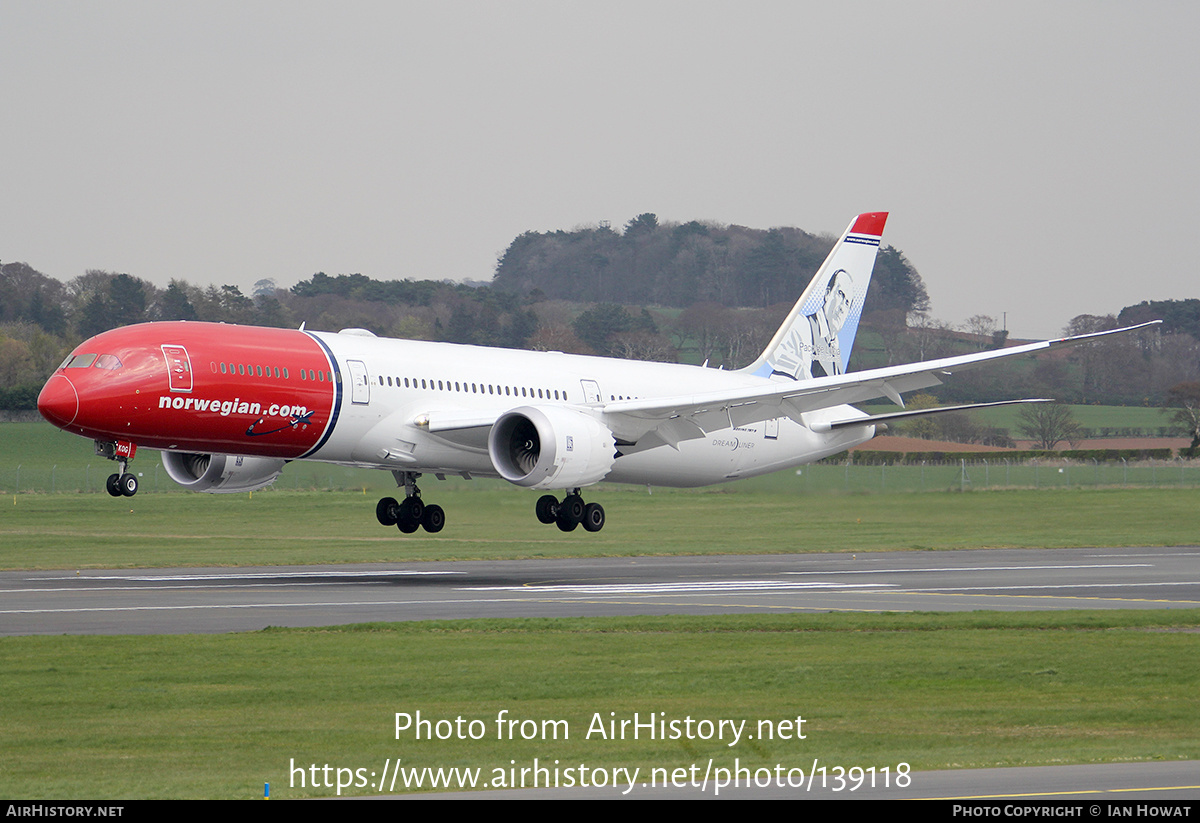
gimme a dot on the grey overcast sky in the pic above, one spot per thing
(1038, 158)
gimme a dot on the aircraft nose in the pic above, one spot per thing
(58, 401)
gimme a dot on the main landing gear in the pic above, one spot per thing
(411, 514)
(124, 483)
(571, 512)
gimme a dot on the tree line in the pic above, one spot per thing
(680, 264)
(691, 292)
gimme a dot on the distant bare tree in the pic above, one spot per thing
(1048, 424)
(982, 326)
(641, 345)
(558, 337)
(1184, 399)
(702, 324)
(1095, 359)
(929, 336)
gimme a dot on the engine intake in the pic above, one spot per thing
(221, 473)
(549, 447)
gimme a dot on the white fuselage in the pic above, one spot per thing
(378, 418)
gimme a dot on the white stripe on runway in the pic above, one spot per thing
(675, 588)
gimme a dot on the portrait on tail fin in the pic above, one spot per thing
(811, 347)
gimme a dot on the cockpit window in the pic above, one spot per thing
(79, 361)
(108, 361)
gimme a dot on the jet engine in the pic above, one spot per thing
(549, 447)
(221, 473)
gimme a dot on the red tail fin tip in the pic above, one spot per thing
(870, 223)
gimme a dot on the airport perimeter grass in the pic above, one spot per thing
(823, 508)
(496, 522)
(219, 716)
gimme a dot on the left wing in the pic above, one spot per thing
(643, 424)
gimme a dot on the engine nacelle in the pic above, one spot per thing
(549, 447)
(221, 473)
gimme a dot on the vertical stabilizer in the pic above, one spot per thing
(816, 338)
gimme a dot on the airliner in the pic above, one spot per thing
(229, 406)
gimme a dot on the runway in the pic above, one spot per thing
(179, 601)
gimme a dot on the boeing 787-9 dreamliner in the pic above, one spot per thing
(229, 406)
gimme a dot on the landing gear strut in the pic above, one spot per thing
(124, 483)
(411, 514)
(571, 512)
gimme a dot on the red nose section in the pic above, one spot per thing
(58, 401)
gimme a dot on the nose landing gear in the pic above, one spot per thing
(124, 483)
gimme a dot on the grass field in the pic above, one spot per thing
(219, 716)
(273, 528)
(818, 508)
